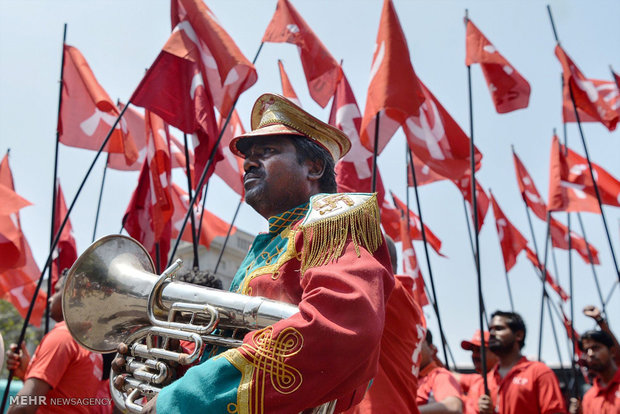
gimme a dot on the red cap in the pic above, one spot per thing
(476, 341)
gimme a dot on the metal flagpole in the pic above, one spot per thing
(374, 155)
(105, 170)
(232, 223)
(54, 184)
(191, 207)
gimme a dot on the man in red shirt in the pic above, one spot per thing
(472, 385)
(604, 396)
(517, 385)
(438, 390)
(62, 376)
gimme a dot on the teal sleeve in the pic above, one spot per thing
(206, 388)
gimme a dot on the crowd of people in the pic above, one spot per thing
(359, 343)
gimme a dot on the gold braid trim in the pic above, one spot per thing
(324, 238)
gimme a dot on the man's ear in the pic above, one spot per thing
(519, 336)
(316, 169)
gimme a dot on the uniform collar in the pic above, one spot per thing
(281, 221)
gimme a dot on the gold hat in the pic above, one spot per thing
(275, 115)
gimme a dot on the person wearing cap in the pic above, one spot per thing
(472, 385)
(516, 384)
(323, 252)
(438, 391)
(604, 395)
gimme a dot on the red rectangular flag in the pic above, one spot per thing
(212, 226)
(87, 113)
(394, 93)
(509, 90)
(438, 141)
(287, 89)
(66, 248)
(586, 96)
(321, 69)
(423, 173)
(511, 240)
(12, 240)
(354, 170)
(548, 278)
(559, 238)
(411, 267)
(570, 183)
(607, 90)
(530, 194)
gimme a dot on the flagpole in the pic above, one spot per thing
(585, 148)
(374, 155)
(191, 207)
(474, 205)
(105, 170)
(543, 275)
(54, 184)
(203, 176)
(591, 259)
(555, 338)
(232, 223)
(53, 246)
(428, 261)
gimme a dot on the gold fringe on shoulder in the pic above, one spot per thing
(324, 239)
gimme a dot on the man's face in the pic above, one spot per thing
(597, 355)
(502, 339)
(476, 358)
(274, 180)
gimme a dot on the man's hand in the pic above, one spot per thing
(151, 406)
(574, 406)
(593, 312)
(17, 361)
(118, 366)
(485, 405)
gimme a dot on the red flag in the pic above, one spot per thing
(87, 112)
(12, 240)
(11, 201)
(530, 194)
(354, 170)
(559, 239)
(509, 90)
(570, 183)
(321, 69)
(18, 285)
(548, 278)
(394, 93)
(482, 200)
(19, 272)
(438, 140)
(411, 267)
(287, 89)
(212, 226)
(230, 168)
(607, 90)
(390, 220)
(616, 78)
(423, 173)
(510, 239)
(586, 96)
(415, 229)
(66, 249)
(148, 216)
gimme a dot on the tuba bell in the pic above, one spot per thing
(112, 295)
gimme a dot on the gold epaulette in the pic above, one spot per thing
(332, 219)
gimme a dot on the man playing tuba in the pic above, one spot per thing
(323, 252)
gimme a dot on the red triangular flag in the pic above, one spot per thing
(66, 249)
(321, 69)
(585, 93)
(394, 93)
(530, 194)
(12, 240)
(415, 229)
(607, 90)
(511, 240)
(548, 278)
(559, 239)
(87, 113)
(482, 200)
(509, 90)
(411, 267)
(230, 168)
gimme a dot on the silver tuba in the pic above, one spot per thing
(112, 295)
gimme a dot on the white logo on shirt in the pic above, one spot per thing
(520, 380)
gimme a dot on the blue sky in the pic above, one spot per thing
(120, 39)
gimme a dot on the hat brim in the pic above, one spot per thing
(270, 130)
(468, 345)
